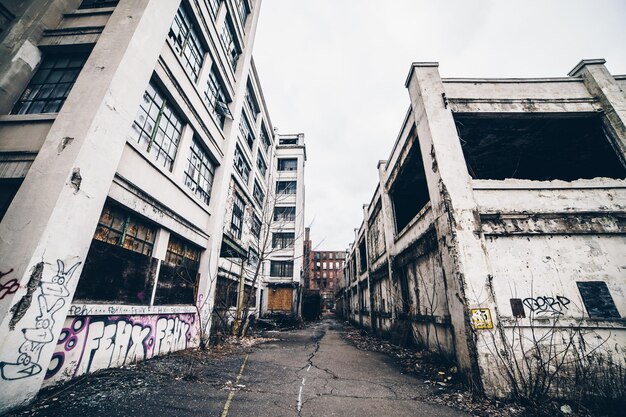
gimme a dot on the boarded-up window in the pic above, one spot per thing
(280, 299)
(598, 300)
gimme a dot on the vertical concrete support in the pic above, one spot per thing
(603, 86)
(46, 233)
(457, 223)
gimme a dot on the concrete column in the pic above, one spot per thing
(603, 86)
(457, 221)
(46, 233)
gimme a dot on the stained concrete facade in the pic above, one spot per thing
(496, 230)
(125, 132)
(285, 261)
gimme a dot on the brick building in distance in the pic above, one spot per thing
(323, 271)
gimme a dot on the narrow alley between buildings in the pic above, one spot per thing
(313, 371)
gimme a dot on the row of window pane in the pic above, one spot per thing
(47, 90)
(157, 127)
(241, 165)
(215, 97)
(285, 214)
(228, 40)
(246, 131)
(261, 165)
(243, 10)
(199, 172)
(236, 224)
(187, 42)
(286, 187)
(214, 7)
(281, 269)
(282, 240)
(287, 164)
(119, 228)
(258, 193)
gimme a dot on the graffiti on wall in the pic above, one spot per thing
(547, 306)
(51, 298)
(9, 287)
(89, 343)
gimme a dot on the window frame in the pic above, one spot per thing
(207, 164)
(189, 39)
(236, 221)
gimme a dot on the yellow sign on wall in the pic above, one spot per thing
(481, 318)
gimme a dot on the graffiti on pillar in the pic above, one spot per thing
(547, 306)
(89, 343)
(9, 287)
(51, 298)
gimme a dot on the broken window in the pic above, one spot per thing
(282, 269)
(537, 147)
(187, 43)
(200, 171)
(283, 240)
(214, 7)
(287, 214)
(287, 164)
(119, 266)
(13, 168)
(51, 84)
(265, 138)
(598, 300)
(244, 10)
(258, 193)
(409, 192)
(178, 274)
(286, 187)
(241, 165)
(236, 223)
(246, 131)
(362, 256)
(261, 165)
(225, 293)
(215, 97)
(157, 126)
(228, 41)
(255, 228)
(251, 101)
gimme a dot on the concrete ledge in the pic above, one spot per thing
(419, 64)
(575, 72)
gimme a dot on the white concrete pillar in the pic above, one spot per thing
(603, 86)
(46, 233)
(457, 221)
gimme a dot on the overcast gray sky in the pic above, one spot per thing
(335, 70)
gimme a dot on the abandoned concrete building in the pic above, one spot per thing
(327, 269)
(496, 231)
(136, 161)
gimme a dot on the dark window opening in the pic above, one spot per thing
(362, 256)
(287, 164)
(95, 4)
(283, 240)
(225, 293)
(282, 269)
(178, 274)
(409, 193)
(236, 224)
(286, 187)
(537, 147)
(598, 300)
(287, 214)
(51, 84)
(8, 189)
(288, 141)
(119, 266)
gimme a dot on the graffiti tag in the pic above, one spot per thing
(9, 287)
(87, 344)
(51, 299)
(550, 306)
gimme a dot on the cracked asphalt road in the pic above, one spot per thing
(308, 372)
(314, 372)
